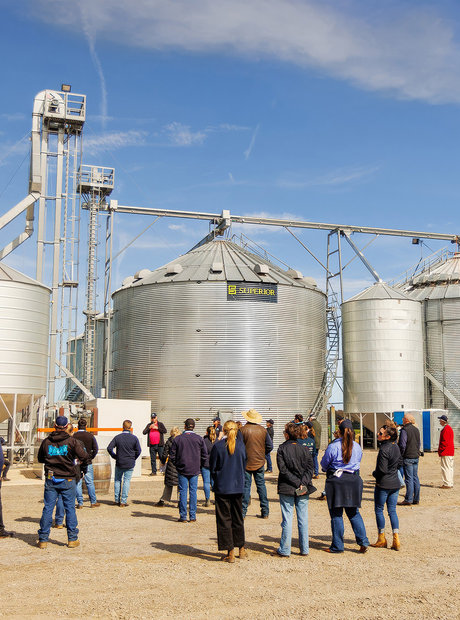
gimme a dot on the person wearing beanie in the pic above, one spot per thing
(58, 453)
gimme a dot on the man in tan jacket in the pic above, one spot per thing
(258, 443)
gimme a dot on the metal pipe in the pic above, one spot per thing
(280, 222)
(361, 256)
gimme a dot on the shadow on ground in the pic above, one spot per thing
(186, 550)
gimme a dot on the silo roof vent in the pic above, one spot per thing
(262, 269)
(142, 273)
(173, 269)
(217, 267)
(128, 280)
(293, 273)
(310, 281)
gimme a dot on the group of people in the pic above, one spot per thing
(228, 459)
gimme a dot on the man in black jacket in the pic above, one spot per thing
(58, 452)
(3, 532)
(90, 443)
(409, 446)
(155, 431)
(125, 449)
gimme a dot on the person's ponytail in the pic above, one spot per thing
(347, 444)
(231, 430)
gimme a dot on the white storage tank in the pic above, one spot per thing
(438, 288)
(24, 329)
(219, 330)
(382, 351)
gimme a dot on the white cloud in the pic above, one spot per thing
(178, 227)
(181, 135)
(13, 116)
(408, 49)
(341, 176)
(107, 142)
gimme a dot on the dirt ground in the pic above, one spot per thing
(138, 562)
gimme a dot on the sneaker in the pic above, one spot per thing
(5, 534)
(182, 521)
(58, 526)
(42, 544)
(192, 520)
(262, 516)
(73, 543)
(154, 473)
(207, 503)
(95, 505)
(160, 502)
(123, 505)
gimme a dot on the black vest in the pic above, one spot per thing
(412, 450)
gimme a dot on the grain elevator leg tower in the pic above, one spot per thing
(58, 119)
(95, 183)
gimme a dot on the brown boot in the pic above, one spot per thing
(243, 554)
(396, 543)
(230, 557)
(381, 541)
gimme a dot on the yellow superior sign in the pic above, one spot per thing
(249, 291)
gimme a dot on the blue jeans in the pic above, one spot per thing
(206, 475)
(153, 456)
(125, 475)
(390, 498)
(186, 483)
(337, 528)
(261, 490)
(287, 503)
(59, 514)
(54, 490)
(269, 462)
(89, 481)
(412, 481)
(315, 462)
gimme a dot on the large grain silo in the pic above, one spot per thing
(24, 329)
(382, 351)
(438, 287)
(219, 331)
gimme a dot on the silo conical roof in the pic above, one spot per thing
(8, 274)
(219, 261)
(438, 282)
(379, 290)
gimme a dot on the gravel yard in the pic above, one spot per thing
(138, 562)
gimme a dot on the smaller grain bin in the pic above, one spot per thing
(24, 329)
(382, 343)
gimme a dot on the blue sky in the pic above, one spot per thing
(342, 111)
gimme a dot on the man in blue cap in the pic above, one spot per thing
(58, 452)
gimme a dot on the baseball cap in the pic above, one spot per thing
(443, 417)
(270, 420)
(61, 421)
(189, 423)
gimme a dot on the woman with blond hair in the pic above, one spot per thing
(227, 463)
(171, 479)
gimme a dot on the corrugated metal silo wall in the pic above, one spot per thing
(442, 325)
(24, 328)
(382, 355)
(193, 353)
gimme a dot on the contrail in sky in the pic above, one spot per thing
(89, 34)
(248, 151)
